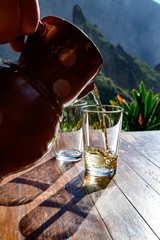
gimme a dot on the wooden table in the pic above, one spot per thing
(55, 201)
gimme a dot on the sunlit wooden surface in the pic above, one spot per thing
(56, 201)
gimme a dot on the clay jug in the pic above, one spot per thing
(56, 67)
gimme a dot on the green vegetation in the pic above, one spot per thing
(108, 89)
(147, 73)
(71, 120)
(141, 114)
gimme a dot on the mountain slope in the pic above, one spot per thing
(126, 71)
(132, 24)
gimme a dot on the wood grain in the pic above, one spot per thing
(56, 200)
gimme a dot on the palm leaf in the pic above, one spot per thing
(155, 126)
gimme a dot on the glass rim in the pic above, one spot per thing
(79, 103)
(85, 109)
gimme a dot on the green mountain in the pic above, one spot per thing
(121, 72)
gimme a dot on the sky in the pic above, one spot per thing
(158, 1)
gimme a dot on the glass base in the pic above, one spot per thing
(101, 172)
(69, 155)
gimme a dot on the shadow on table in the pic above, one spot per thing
(60, 216)
(24, 189)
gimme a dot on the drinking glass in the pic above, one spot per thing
(68, 144)
(101, 137)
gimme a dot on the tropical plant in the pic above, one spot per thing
(141, 114)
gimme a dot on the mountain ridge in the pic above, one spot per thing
(122, 22)
(121, 69)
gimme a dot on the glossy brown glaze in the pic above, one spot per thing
(56, 67)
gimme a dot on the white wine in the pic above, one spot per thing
(100, 162)
(99, 105)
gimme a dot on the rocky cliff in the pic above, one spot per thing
(120, 68)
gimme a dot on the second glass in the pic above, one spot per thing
(68, 144)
